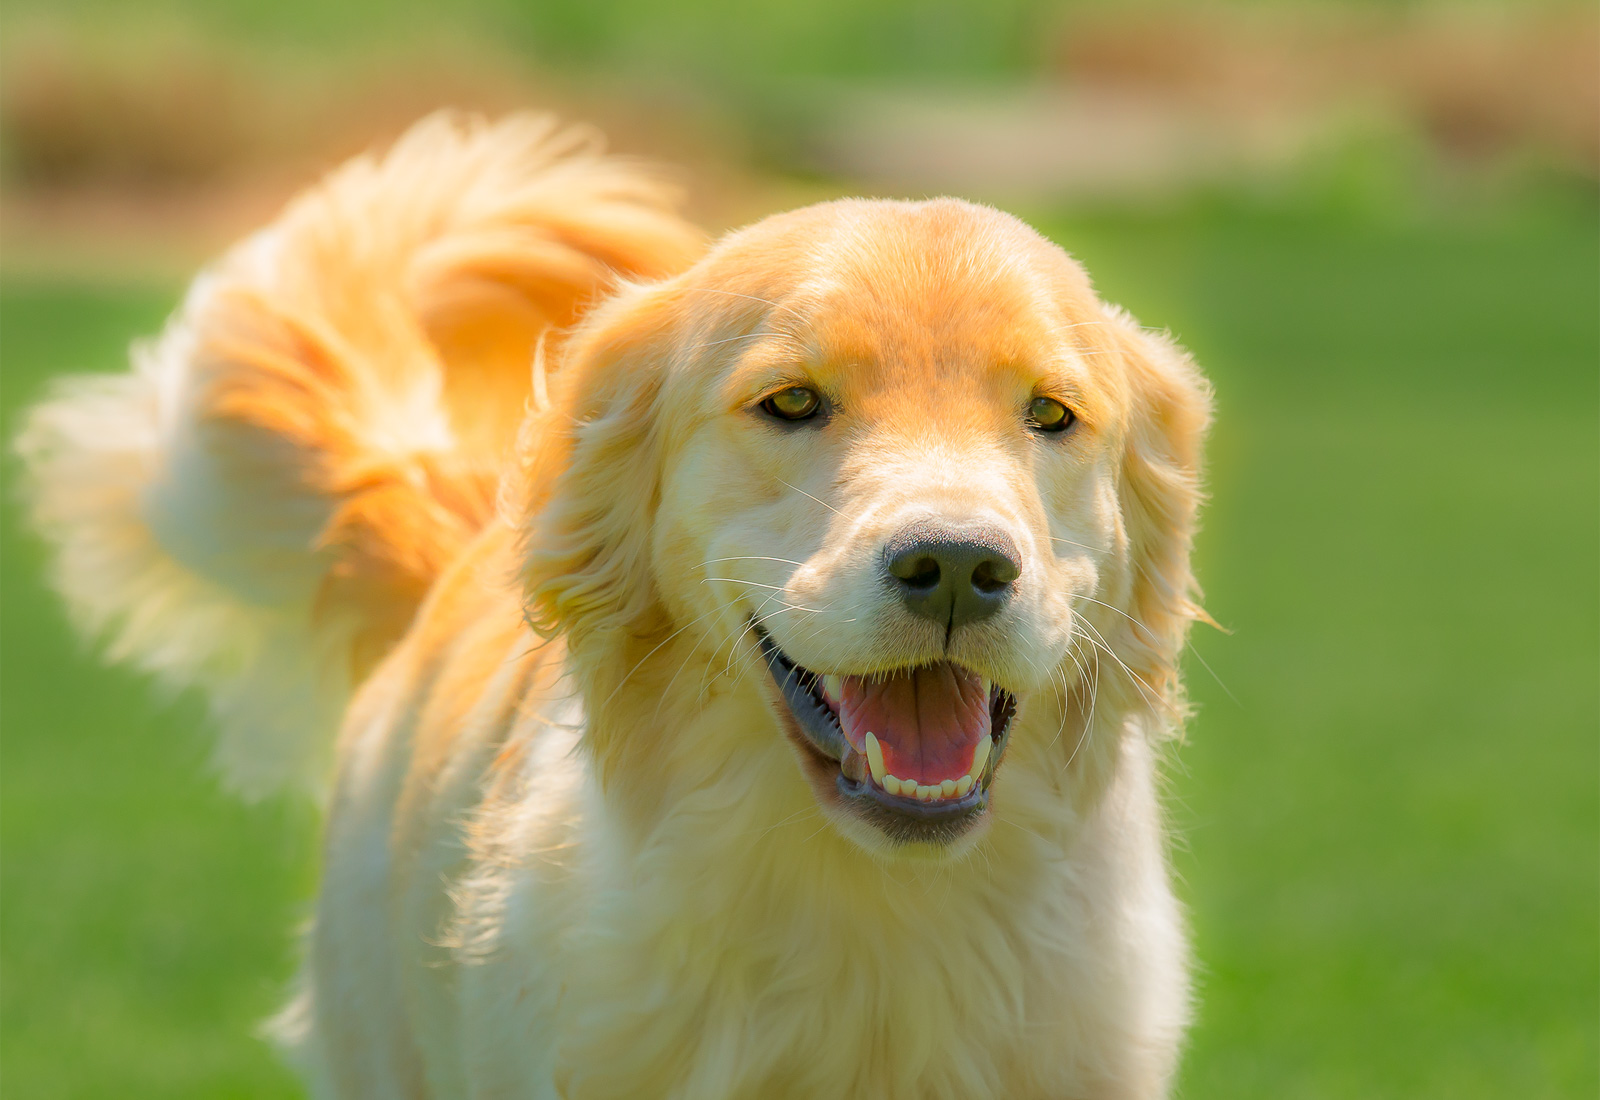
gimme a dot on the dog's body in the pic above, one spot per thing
(582, 839)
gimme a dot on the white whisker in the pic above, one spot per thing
(820, 501)
(739, 580)
(749, 557)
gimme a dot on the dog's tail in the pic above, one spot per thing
(259, 506)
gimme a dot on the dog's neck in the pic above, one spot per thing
(732, 891)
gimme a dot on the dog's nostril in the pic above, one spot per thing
(993, 574)
(918, 571)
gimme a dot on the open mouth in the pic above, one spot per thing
(916, 748)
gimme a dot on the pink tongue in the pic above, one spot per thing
(928, 721)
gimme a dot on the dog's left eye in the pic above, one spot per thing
(794, 403)
(1049, 415)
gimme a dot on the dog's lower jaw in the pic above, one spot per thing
(844, 803)
(944, 817)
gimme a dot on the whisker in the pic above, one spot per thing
(1027, 830)
(740, 580)
(749, 557)
(1205, 664)
(1109, 607)
(1083, 545)
(804, 811)
(620, 683)
(1149, 692)
(1088, 725)
(733, 643)
(824, 503)
(1155, 638)
(759, 618)
(1066, 697)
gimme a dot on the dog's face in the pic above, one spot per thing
(889, 466)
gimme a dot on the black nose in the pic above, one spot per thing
(953, 575)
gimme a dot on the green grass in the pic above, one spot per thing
(1388, 819)
(147, 918)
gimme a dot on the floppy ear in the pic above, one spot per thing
(1161, 496)
(592, 475)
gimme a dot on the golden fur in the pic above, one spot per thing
(572, 846)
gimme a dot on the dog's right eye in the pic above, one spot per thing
(794, 403)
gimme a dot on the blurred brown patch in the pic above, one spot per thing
(154, 157)
(1147, 103)
(141, 122)
(1476, 83)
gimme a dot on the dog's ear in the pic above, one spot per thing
(1161, 496)
(591, 462)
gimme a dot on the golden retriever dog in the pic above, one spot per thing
(730, 670)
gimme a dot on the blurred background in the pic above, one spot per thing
(1376, 226)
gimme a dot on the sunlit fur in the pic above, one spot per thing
(467, 448)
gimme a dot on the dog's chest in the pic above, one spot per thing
(717, 988)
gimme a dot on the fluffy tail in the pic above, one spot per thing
(259, 506)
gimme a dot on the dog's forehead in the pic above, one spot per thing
(888, 281)
(881, 295)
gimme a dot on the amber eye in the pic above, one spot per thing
(1050, 415)
(794, 403)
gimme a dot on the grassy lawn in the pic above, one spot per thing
(1387, 819)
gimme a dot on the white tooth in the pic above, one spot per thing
(947, 788)
(891, 784)
(987, 684)
(875, 759)
(963, 785)
(833, 688)
(928, 794)
(980, 757)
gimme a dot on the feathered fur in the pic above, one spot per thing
(262, 503)
(573, 847)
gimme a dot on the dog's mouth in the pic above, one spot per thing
(916, 749)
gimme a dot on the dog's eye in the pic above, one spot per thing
(1049, 415)
(794, 403)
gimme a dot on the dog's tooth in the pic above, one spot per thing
(853, 766)
(891, 784)
(963, 785)
(987, 684)
(833, 688)
(927, 794)
(947, 788)
(980, 757)
(875, 758)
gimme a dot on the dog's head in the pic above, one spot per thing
(897, 465)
